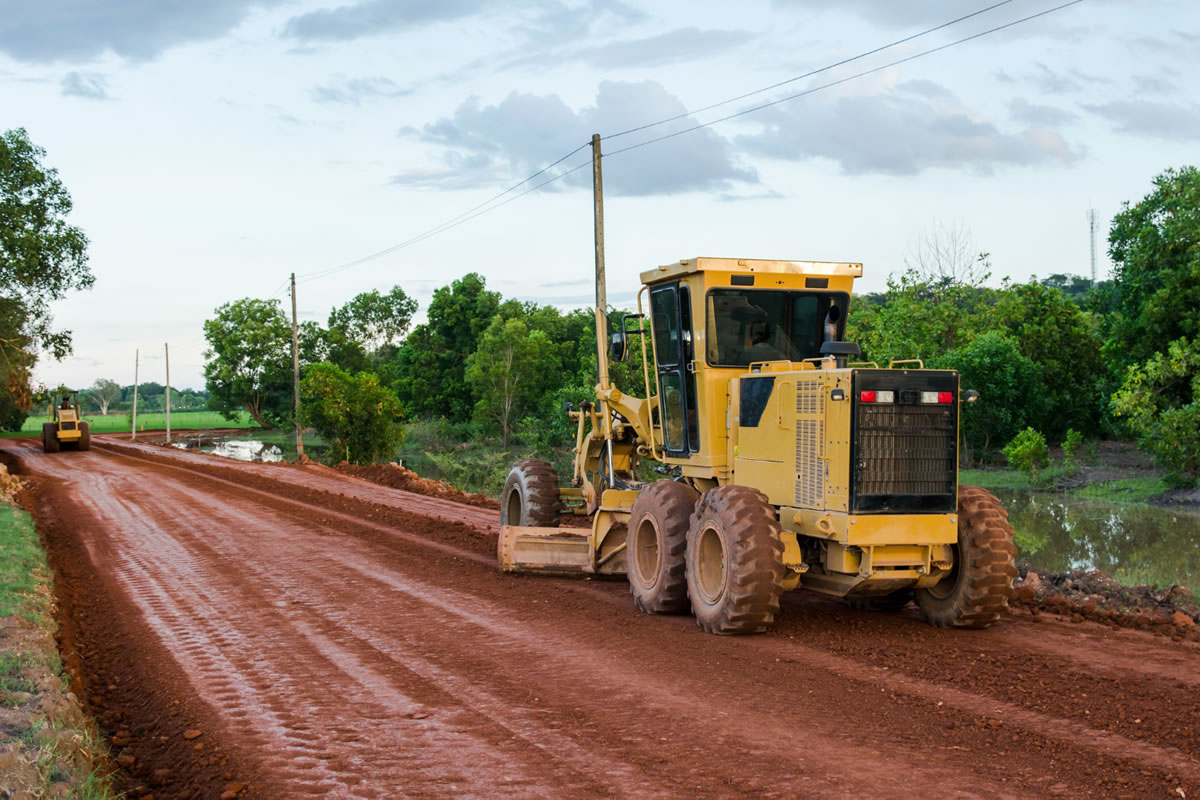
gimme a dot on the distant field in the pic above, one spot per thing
(119, 423)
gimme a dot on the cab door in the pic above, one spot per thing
(670, 312)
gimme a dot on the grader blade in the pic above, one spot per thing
(556, 551)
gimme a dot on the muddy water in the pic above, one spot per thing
(1135, 544)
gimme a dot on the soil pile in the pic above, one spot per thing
(398, 477)
(1095, 595)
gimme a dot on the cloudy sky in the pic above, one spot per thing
(213, 148)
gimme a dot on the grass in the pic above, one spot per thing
(25, 591)
(119, 423)
(23, 569)
(1121, 492)
(1127, 491)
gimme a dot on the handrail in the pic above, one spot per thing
(646, 371)
(920, 364)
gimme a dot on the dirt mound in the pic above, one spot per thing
(398, 477)
(1083, 594)
(10, 485)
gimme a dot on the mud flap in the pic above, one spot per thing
(562, 551)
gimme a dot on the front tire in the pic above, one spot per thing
(655, 546)
(978, 588)
(85, 436)
(530, 495)
(734, 561)
(50, 441)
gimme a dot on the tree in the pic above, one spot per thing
(354, 413)
(944, 254)
(375, 320)
(249, 361)
(1155, 248)
(1057, 335)
(509, 371)
(1161, 401)
(1011, 395)
(105, 392)
(920, 319)
(430, 369)
(42, 258)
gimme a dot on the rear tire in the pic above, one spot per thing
(530, 496)
(977, 590)
(894, 601)
(734, 561)
(655, 545)
(85, 436)
(50, 441)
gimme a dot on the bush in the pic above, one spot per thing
(1028, 452)
(357, 416)
(1160, 400)
(1072, 445)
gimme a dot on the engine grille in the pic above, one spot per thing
(68, 426)
(810, 445)
(905, 455)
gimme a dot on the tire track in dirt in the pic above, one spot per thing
(407, 619)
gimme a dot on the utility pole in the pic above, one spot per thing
(167, 356)
(296, 372)
(133, 437)
(601, 302)
(1092, 239)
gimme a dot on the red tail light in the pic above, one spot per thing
(945, 397)
(867, 397)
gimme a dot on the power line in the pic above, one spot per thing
(826, 68)
(840, 81)
(487, 206)
(450, 223)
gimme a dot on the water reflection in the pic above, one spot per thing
(241, 449)
(1134, 544)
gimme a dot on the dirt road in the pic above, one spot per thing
(301, 632)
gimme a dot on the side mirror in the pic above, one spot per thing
(618, 346)
(970, 396)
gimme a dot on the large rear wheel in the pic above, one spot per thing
(734, 561)
(50, 441)
(655, 545)
(977, 590)
(530, 496)
(85, 436)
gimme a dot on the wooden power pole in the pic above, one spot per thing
(136, 354)
(296, 372)
(167, 357)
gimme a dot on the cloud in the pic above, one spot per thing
(1158, 120)
(79, 30)
(1021, 110)
(371, 17)
(900, 132)
(357, 90)
(1153, 84)
(682, 44)
(86, 85)
(490, 145)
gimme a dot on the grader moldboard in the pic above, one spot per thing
(67, 431)
(785, 465)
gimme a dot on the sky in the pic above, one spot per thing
(214, 148)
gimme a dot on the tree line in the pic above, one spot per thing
(1057, 355)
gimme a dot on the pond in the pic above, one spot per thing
(1136, 545)
(260, 446)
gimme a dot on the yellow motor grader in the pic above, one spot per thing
(784, 464)
(67, 431)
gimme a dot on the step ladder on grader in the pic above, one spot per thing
(782, 463)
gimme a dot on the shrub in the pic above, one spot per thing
(357, 416)
(1028, 452)
(1072, 445)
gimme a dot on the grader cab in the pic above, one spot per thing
(782, 462)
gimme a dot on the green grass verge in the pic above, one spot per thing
(119, 423)
(23, 569)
